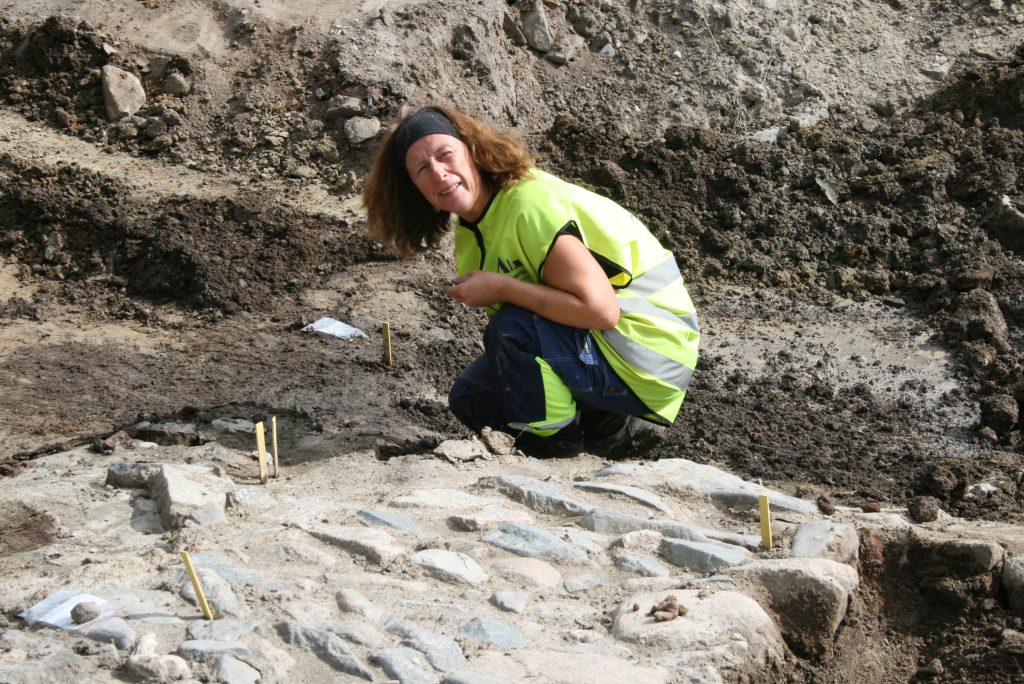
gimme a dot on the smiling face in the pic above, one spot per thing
(443, 171)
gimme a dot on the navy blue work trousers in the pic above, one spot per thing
(504, 385)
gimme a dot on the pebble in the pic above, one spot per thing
(456, 568)
(84, 612)
(510, 601)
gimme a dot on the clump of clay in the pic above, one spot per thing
(668, 609)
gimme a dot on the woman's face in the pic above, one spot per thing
(441, 169)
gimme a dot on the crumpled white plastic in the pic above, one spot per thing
(331, 326)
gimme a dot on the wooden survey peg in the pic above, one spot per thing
(200, 596)
(261, 452)
(273, 441)
(766, 522)
(386, 333)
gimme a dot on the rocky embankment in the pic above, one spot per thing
(471, 564)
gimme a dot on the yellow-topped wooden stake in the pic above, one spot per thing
(200, 596)
(261, 452)
(766, 521)
(273, 440)
(386, 331)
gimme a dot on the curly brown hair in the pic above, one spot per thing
(400, 217)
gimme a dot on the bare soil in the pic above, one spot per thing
(860, 281)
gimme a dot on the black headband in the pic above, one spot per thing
(424, 122)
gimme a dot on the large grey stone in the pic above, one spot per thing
(220, 630)
(218, 592)
(455, 568)
(230, 670)
(123, 93)
(810, 596)
(826, 539)
(326, 646)
(537, 29)
(959, 558)
(27, 658)
(641, 565)
(642, 495)
(490, 631)
(537, 494)
(207, 650)
(180, 489)
(534, 542)
(1013, 582)
(358, 633)
(724, 629)
(511, 601)
(703, 556)
(449, 499)
(391, 520)
(406, 665)
(112, 630)
(443, 652)
(603, 520)
(374, 544)
(724, 489)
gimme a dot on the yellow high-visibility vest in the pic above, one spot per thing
(654, 346)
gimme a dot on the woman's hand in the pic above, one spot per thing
(478, 288)
(575, 290)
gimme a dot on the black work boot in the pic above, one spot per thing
(616, 436)
(604, 433)
(566, 442)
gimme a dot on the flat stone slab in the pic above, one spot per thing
(529, 573)
(493, 632)
(703, 556)
(393, 521)
(641, 565)
(726, 630)
(725, 489)
(490, 517)
(327, 647)
(443, 652)
(406, 665)
(205, 649)
(642, 495)
(449, 499)
(534, 542)
(604, 520)
(374, 544)
(537, 494)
